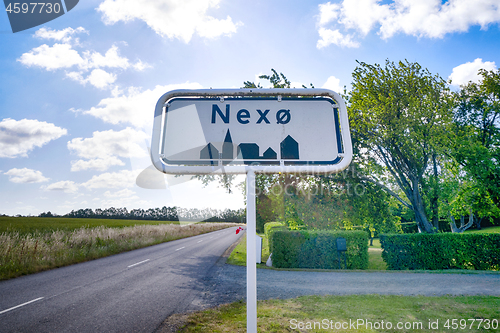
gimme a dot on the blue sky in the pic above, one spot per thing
(78, 93)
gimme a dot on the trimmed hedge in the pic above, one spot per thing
(318, 249)
(441, 251)
(269, 228)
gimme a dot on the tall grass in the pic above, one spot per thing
(31, 224)
(22, 254)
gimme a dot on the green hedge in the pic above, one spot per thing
(441, 251)
(269, 228)
(318, 249)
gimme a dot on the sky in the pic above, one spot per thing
(78, 92)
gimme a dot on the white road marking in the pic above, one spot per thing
(138, 263)
(180, 248)
(18, 306)
(199, 241)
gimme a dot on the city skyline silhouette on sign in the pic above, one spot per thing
(289, 149)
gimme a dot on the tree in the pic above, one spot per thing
(477, 143)
(47, 214)
(463, 197)
(399, 116)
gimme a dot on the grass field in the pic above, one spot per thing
(414, 314)
(485, 230)
(25, 225)
(29, 245)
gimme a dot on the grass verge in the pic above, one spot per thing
(375, 261)
(376, 243)
(28, 253)
(416, 314)
(239, 254)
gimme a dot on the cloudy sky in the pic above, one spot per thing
(78, 93)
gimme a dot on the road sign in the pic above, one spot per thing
(215, 131)
(265, 130)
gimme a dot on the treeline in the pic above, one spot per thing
(158, 214)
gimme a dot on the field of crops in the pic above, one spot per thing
(24, 225)
(32, 244)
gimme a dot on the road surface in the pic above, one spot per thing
(129, 292)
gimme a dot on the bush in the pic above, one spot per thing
(269, 228)
(318, 249)
(441, 251)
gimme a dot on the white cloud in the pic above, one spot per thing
(424, 18)
(333, 83)
(136, 107)
(212, 28)
(432, 18)
(111, 59)
(329, 37)
(98, 78)
(64, 35)
(362, 15)
(170, 18)
(77, 76)
(101, 79)
(124, 143)
(100, 164)
(140, 66)
(65, 56)
(18, 137)
(464, 73)
(121, 179)
(66, 186)
(25, 175)
(119, 194)
(328, 12)
(103, 148)
(51, 58)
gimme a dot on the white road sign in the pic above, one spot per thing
(265, 130)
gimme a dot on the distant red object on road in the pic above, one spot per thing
(238, 230)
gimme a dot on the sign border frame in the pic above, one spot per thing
(156, 159)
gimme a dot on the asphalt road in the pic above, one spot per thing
(129, 292)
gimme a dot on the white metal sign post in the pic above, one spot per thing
(249, 131)
(251, 255)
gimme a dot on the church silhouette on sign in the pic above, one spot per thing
(289, 149)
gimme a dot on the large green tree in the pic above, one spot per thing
(463, 198)
(400, 114)
(477, 143)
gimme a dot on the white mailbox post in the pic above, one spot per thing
(249, 131)
(258, 249)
